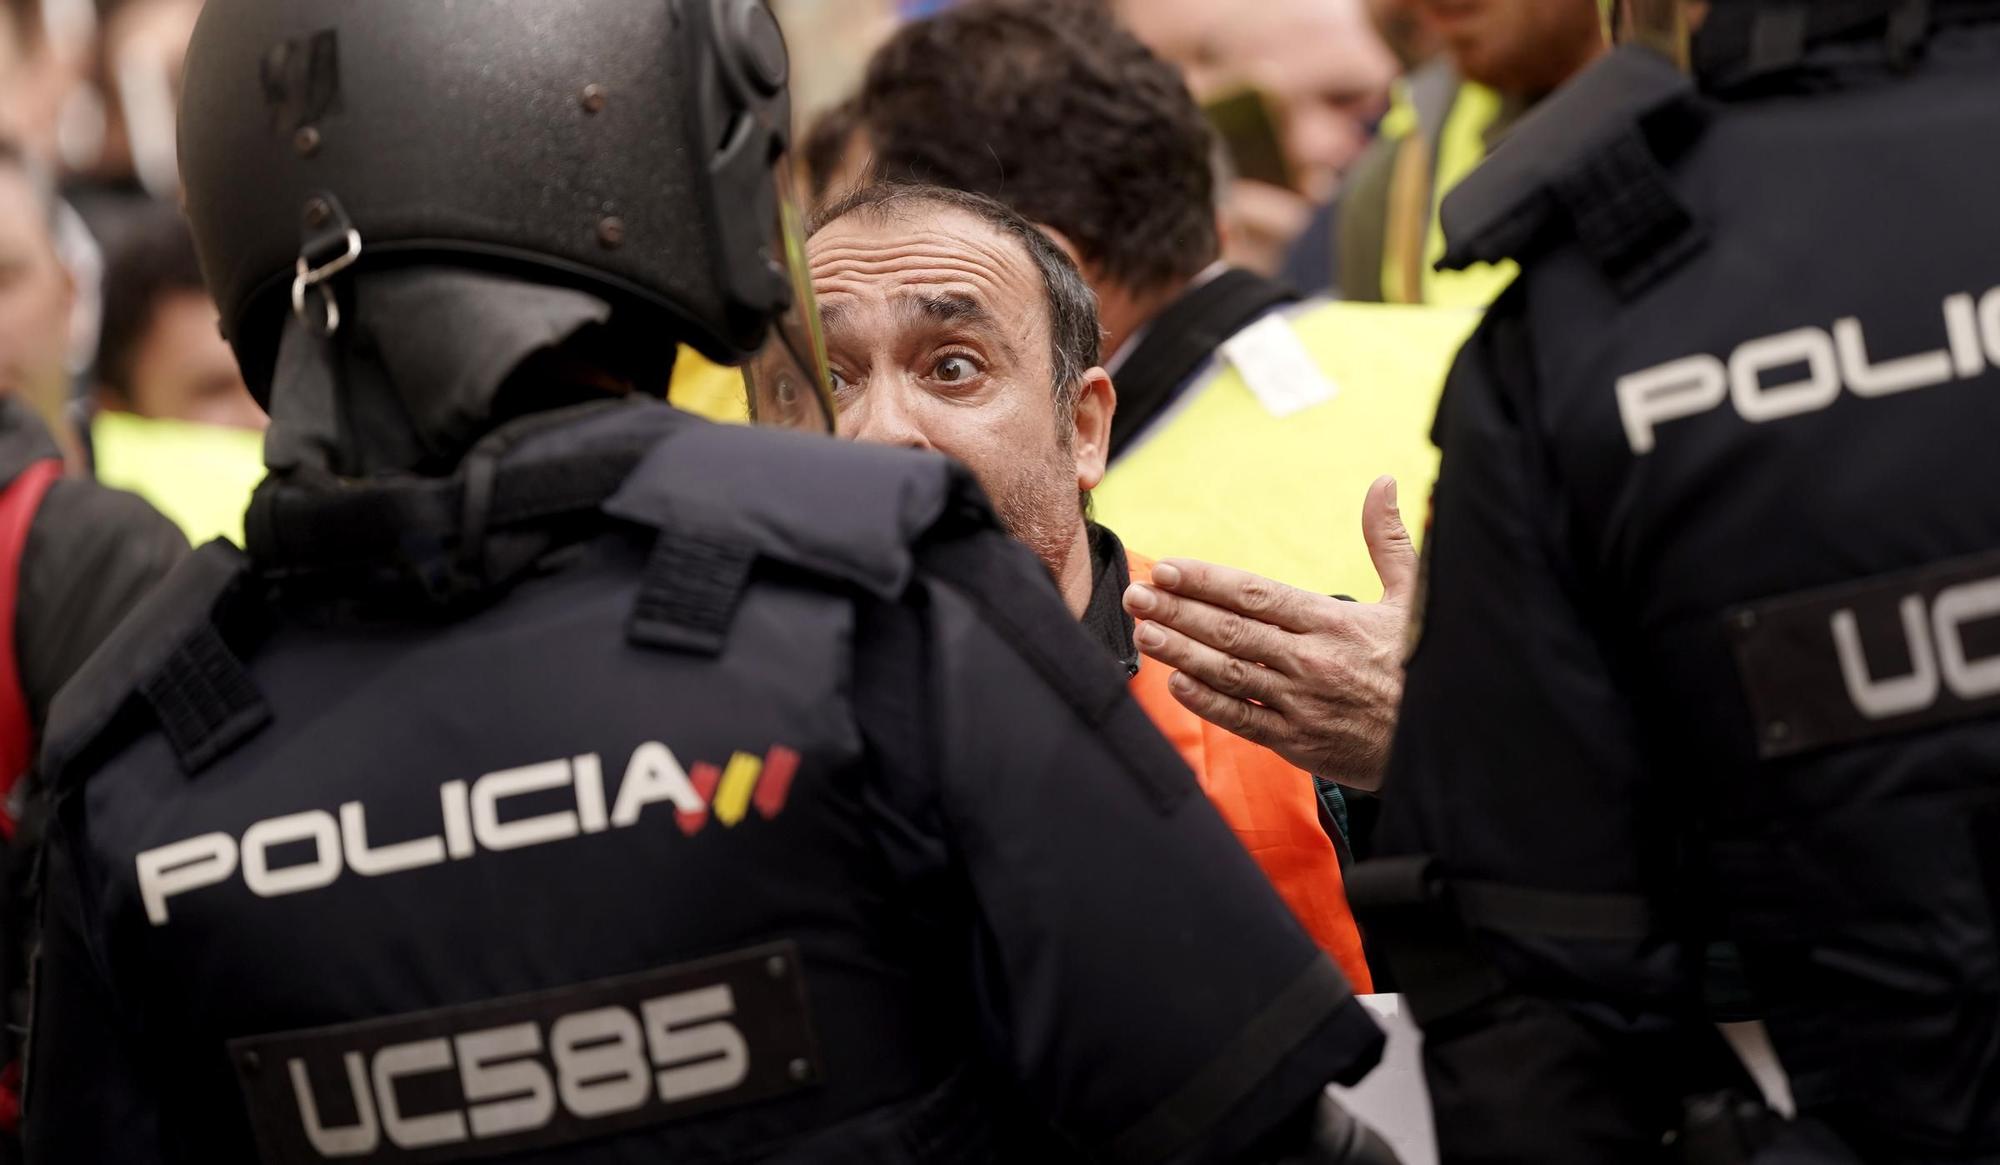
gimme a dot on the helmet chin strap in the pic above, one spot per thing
(409, 381)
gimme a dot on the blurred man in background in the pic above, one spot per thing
(74, 559)
(37, 295)
(135, 79)
(1250, 427)
(174, 421)
(1321, 76)
(160, 354)
(953, 324)
(1500, 57)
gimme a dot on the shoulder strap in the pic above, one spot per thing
(1182, 338)
(1590, 164)
(172, 656)
(1741, 43)
(725, 498)
(1009, 591)
(19, 504)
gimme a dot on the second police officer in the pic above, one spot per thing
(562, 777)
(1709, 656)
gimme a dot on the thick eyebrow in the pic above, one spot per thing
(954, 307)
(831, 316)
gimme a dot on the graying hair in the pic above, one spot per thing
(1075, 338)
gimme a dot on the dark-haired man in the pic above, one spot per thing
(176, 423)
(1250, 426)
(159, 354)
(952, 324)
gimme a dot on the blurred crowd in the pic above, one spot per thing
(105, 327)
(1250, 192)
(1335, 129)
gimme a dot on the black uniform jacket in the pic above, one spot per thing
(651, 790)
(1711, 647)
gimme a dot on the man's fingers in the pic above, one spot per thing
(1252, 723)
(1389, 543)
(1224, 673)
(1226, 631)
(1240, 591)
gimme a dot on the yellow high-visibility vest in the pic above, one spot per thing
(707, 389)
(1413, 239)
(1223, 479)
(200, 476)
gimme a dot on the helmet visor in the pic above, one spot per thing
(787, 379)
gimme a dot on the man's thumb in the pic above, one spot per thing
(1389, 542)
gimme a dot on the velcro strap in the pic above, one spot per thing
(694, 581)
(1404, 903)
(1626, 214)
(327, 528)
(204, 699)
(1553, 913)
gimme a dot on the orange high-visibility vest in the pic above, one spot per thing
(1272, 807)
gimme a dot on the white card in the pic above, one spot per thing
(1277, 367)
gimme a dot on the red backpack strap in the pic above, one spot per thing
(19, 503)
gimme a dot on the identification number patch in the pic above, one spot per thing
(531, 1071)
(1882, 655)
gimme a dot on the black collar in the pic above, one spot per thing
(1180, 339)
(1105, 620)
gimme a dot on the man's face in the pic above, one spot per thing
(1330, 73)
(937, 332)
(182, 369)
(1320, 61)
(1520, 47)
(35, 297)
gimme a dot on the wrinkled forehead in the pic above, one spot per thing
(879, 262)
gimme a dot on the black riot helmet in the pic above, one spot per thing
(633, 149)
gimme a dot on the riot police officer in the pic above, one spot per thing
(1707, 656)
(563, 777)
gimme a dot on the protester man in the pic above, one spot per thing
(560, 776)
(1250, 426)
(953, 324)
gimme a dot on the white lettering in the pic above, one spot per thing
(1885, 699)
(353, 1140)
(388, 859)
(316, 826)
(697, 1056)
(1961, 323)
(600, 1068)
(473, 819)
(653, 775)
(493, 788)
(589, 792)
(457, 807)
(1758, 402)
(1989, 324)
(1922, 370)
(510, 1092)
(1953, 609)
(1684, 388)
(185, 865)
(414, 1059)
(1832, 361)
